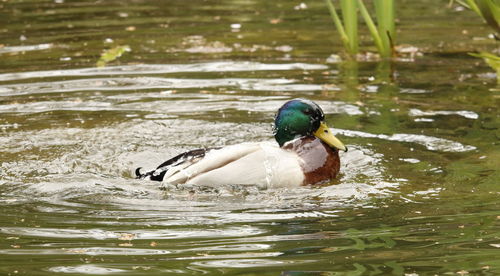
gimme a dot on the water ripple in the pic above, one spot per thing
(245, 263)
(99, 234)
(166, 108)
(464, 113)
(25, 48)
(87, 269)
(91, 251)
(142, 83)
(221, 66)
(431, 143)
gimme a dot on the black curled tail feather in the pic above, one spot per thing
(161, 170)
(151, 174)
(138, 173)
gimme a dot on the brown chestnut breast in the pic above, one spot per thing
(321, 163)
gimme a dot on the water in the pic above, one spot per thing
(418, 191)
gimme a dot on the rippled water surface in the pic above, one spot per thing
(418, 193)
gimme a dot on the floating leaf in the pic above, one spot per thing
(112, 54)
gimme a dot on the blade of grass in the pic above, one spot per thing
(494, 6)
(471, 4)
(338, 23)
(491, 59)
(490, 11)
(385, 12)
(340, 27)
(350, 17)
(373, 29)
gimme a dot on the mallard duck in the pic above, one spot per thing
(306, 153)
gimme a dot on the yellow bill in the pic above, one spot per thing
(326, 136)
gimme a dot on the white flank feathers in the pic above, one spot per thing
(263, 164)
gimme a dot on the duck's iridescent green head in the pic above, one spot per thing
(297, 118)
(300, 117)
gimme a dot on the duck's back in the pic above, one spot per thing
(263, 164)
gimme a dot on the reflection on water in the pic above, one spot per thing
(86, 269)
(159, 234)
(418, 189)
(227, 66)
(110, 84)
(431, 143)
(464, 113)
(15, 49)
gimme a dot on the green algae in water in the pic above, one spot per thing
(112, 54)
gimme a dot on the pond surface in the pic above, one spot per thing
(418, 192)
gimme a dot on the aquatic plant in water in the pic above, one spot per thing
(491, 59)
(383, 33)
(489, 10)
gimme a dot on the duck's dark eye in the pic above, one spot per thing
(308, 111)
